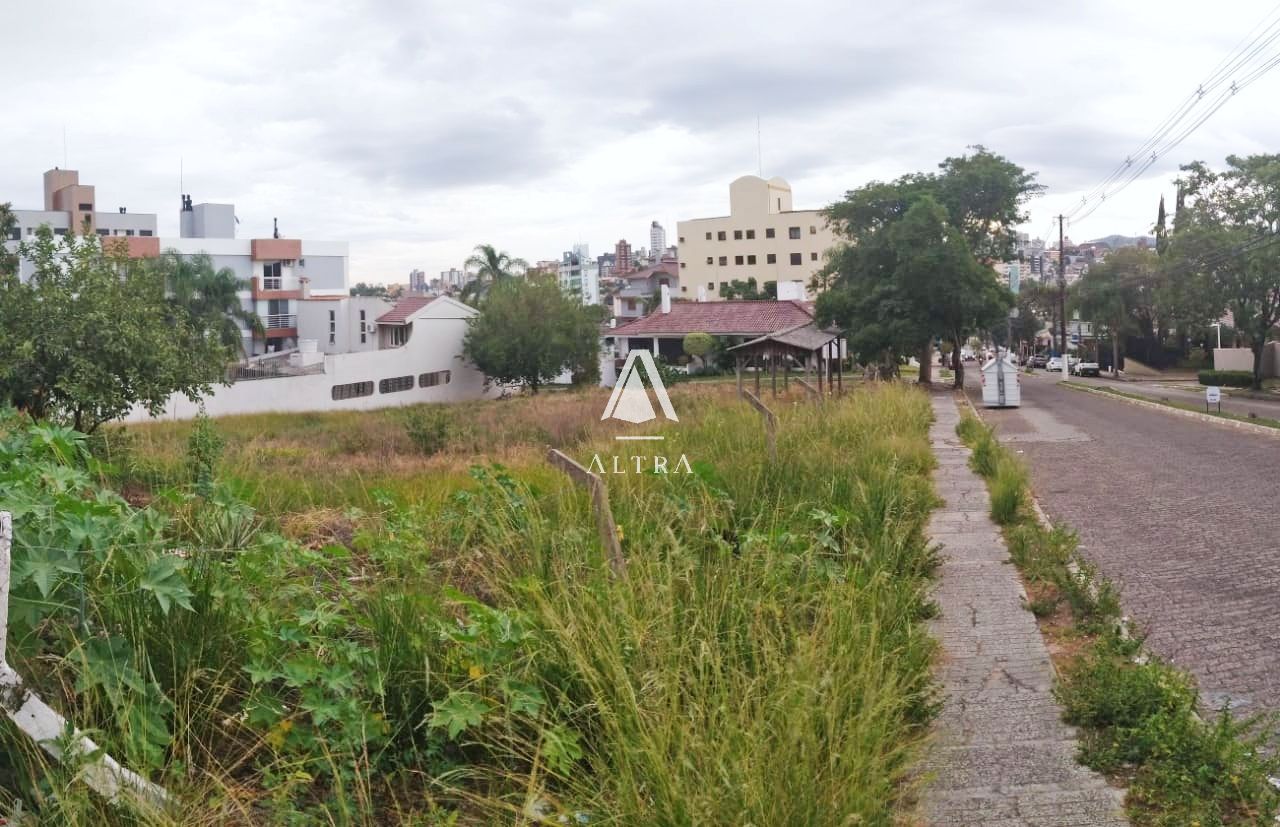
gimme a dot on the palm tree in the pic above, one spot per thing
(209, 296)
(489, 266)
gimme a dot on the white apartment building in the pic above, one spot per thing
(579, 273)
(657, 240)
(763, 238)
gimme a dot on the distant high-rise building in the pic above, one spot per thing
(622, 262)
(657, 239)
(452, 278)
(579, 274)
(606, 264)
(417, 281)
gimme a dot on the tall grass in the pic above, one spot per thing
(456, 650)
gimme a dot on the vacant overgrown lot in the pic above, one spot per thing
(307, 619)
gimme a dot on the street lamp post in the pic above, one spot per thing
(1218, 325)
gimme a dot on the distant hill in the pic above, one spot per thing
(1115, 242)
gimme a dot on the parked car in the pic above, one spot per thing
(1054, 363)
(1038, 360)
(1086, 369)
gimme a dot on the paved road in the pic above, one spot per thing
(1182, 514)
(1230, 404)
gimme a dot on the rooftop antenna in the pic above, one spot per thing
(759, 153)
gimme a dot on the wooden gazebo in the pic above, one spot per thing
(814, 348)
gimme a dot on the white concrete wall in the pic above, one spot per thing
(1233, 358)
(435, 345)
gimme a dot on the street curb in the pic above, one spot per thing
(1274, 433)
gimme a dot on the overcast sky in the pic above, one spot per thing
(416, 130)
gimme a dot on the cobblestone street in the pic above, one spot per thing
(1181, 514)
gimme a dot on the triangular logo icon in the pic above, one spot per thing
(630, 401)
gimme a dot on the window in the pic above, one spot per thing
(682, 239)
(333, 327)
(60, 231)
(751, 234)
(128, 232)
(813, 230)
(768, 232)
(813, 256)
(682, 265)
(711, 285)
(793, 232)
(737, 260)
(145, 233)
(771, 258)
(720, 236)
(708, 236)
(270, 275)
(796, 258)
(737, 235)
(430, 380)
(16, 234)
(352, 390)
(396, 384)
(724, 261)
(710, 260)
(399, 335)
(751, 259)
(86, 208)
(684, 289)
(362, 328)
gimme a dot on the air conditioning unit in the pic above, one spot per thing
(370, 328)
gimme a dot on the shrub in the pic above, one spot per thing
(1227, 378)
(428, 428)
(204, 450)
(1008, 489)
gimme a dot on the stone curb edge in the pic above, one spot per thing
(1274, 433)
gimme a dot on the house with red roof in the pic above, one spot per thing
(662, 332)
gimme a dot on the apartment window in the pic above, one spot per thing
(270, 275)
(60, 231)
(145, 233)
(430, 380)
(684, 289)
(129, 233)
(796, 258)
(793, 232)
(720, 236)
(813, 230)
(751, 234)
(399, 335)
(737, 260)
(751, 259)
(15, 234)
(737, 235)
(682, 239)
(724, 261)
(710, 260)
(771, 258)
(86, 208)
(396, 384)
(682, 264)
(351, 390)
(768, 232)
(362, 328)
(631, 304)
(333, 327)
(813, 256)
(711, 285)
(708, 236)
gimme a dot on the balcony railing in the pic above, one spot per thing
(281, 320)
(272, 283)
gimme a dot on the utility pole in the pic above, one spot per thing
(1062, 293)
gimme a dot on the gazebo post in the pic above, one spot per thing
(817, 367)
(786, 372)
(773, 369)
(737, 368)
(757, 361)
(839, 367)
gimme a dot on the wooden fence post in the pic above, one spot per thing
(770, 424)
(817, 394)
(599, 503)
(45, 726)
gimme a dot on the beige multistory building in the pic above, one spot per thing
(763, 238)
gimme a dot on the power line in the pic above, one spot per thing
(1241, 59)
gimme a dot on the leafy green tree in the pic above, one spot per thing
(530, 331)
(1101, 295)
(209, 296)
(896, 298)
(8, 223)
(1225, 234)
(362, 289)
(90, 334)
(489, 266)
(749, 290)
(699, 345)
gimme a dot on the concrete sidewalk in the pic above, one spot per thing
(1002, 755)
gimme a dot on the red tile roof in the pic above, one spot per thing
(726, 318)
(404, 309)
